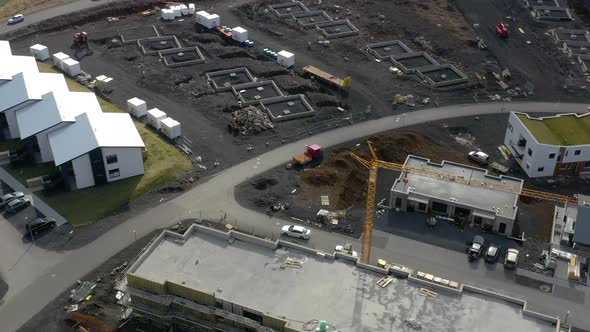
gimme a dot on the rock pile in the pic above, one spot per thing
(250, 120)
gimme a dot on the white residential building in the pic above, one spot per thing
(53, 111)
(22, 90)
(97, 148)
(551, 145)
(12, 65)
(5, 48)
(471, 198)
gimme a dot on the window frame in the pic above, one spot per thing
(114, 173)
(110, 162)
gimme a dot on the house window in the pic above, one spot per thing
(577, 152)
(551, 155)
(111, 159)
(530, 152)
(540, 169)
(114, 173)
(421, 207)
(564, 166)
(559, 158)
(587, 164)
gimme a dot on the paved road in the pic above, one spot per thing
(214, 198)
(52, 12)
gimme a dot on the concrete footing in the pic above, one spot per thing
(223, 80)
(411, 62)
(570, 35)
(285, 10)
(337, 29)
(584, 61)
(385, 50)
(287, 108)
(183, 56)
(308, 20)
(548, 3)
(547, 13)
(253, 93)
(573, 49)
(129, 36)
(442, 75)
(154, 45)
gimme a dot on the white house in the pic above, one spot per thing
(473, 196)
(22, 90)
(551, 145)
(53, 111)
(5, 48)
(97, 148)
(12, 65)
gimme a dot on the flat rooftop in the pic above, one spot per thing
(347, 297)
(564, 129)
(499, 202)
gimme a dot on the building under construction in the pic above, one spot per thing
(208, 280)
(462, 192)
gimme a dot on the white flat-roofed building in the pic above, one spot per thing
(464, 199)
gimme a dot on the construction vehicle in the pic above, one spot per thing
(501, 30)
(341, 83)
(374, 164)
(81, 39)
(312, 152)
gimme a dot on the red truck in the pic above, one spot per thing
(312, 152)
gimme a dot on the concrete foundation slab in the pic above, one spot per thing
(308, 20)
(574, 48)
(442, 75)
(285, 10)
(337, 29)
(410, 62)
(576, 35)
(184, 56)
(386, 50)
(287, 108)
(132, 35)
(547, 3)
(153, 45)
(547, 13)
(253, 93)
(223, 80)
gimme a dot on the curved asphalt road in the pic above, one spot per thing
(214, 198)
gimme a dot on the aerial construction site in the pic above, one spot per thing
(272, 165)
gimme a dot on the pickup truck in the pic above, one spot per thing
(476, 248)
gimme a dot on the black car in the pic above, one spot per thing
(4, 200)
(492, 253)
(40, 224)
(17, 204)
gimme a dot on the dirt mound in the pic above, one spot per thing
(321, 176)
(395, 147)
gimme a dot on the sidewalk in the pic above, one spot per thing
(36, 201)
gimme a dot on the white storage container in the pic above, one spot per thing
(137, 107)
(239, 34)
(212, 21)
(177, 11)
(286, 59)
(167, 14)
(104, 83)
(170, 128)
(154, 116)
(201, 17)
(183, 9)
(191, 8)
(40, 52)
(71, 67)
(58, 59)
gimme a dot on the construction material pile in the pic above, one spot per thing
(250, 120)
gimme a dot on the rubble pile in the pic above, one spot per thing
(250, 120)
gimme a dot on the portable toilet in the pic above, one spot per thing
(71, 67)
(170, 128)
(239, 34)
(154, 116)
(40, 52)
(137, 107)
(286, 59)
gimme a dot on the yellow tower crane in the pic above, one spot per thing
(375, 164)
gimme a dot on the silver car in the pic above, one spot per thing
(295, 231)
(16, 19)
(4, 200)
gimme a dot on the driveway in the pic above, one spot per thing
(214, 199)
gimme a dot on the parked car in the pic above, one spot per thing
(479, 157)
(17, 204)
(476, 248)
(40, 224)
(9, 197)
(346, 249)
(299, 232)
(511, 259)
(492, 253)
(16, 19)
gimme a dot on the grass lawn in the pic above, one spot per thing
(24, 172)
(163, 164)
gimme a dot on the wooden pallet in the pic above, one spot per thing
(294, 263)
(386, 280)
(428, 293)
